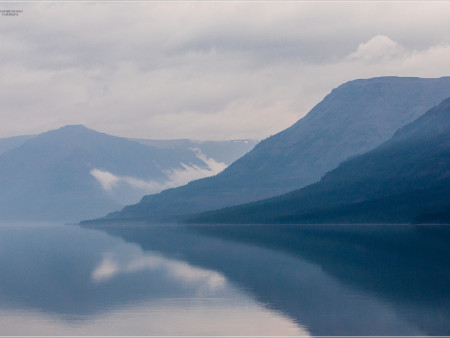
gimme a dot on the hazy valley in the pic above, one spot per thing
(74, 172)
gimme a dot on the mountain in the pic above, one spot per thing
(9, 143)
(354, 118)
(73, 173)
(404, 180)
(226, 151)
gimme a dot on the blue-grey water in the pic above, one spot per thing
(224, 280)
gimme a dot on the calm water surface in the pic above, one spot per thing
(224, 280)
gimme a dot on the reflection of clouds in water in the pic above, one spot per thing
(240, 317)
(110, 267)
(106, 270)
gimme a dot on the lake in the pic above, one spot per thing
(224, 280)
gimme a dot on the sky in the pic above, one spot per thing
(203, 70)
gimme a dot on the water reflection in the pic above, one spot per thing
(193, 318)
(224, 280)
(71, 281)
(338, 280)
(113, 265)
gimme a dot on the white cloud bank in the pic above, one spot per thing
(174, 177)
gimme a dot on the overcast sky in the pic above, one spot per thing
(215, 70)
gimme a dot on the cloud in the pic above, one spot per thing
(378, 49)
(106, 179)
(203, 70)
(381, 52)
(117, 185)
(177, 177)
(109, 181)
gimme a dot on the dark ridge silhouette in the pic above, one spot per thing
(404, 180)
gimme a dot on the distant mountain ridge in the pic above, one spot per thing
(354, 118)
(225, 151)
(10, 143)
(74, 172)
(404, 180)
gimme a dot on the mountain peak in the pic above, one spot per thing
(70, 131)
(75, 127)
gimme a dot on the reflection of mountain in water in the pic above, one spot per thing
(64, 281)
(332, 280)
(75, 273)
(390, 280)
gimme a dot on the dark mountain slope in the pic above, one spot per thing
(406, 179)
(352, 119)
